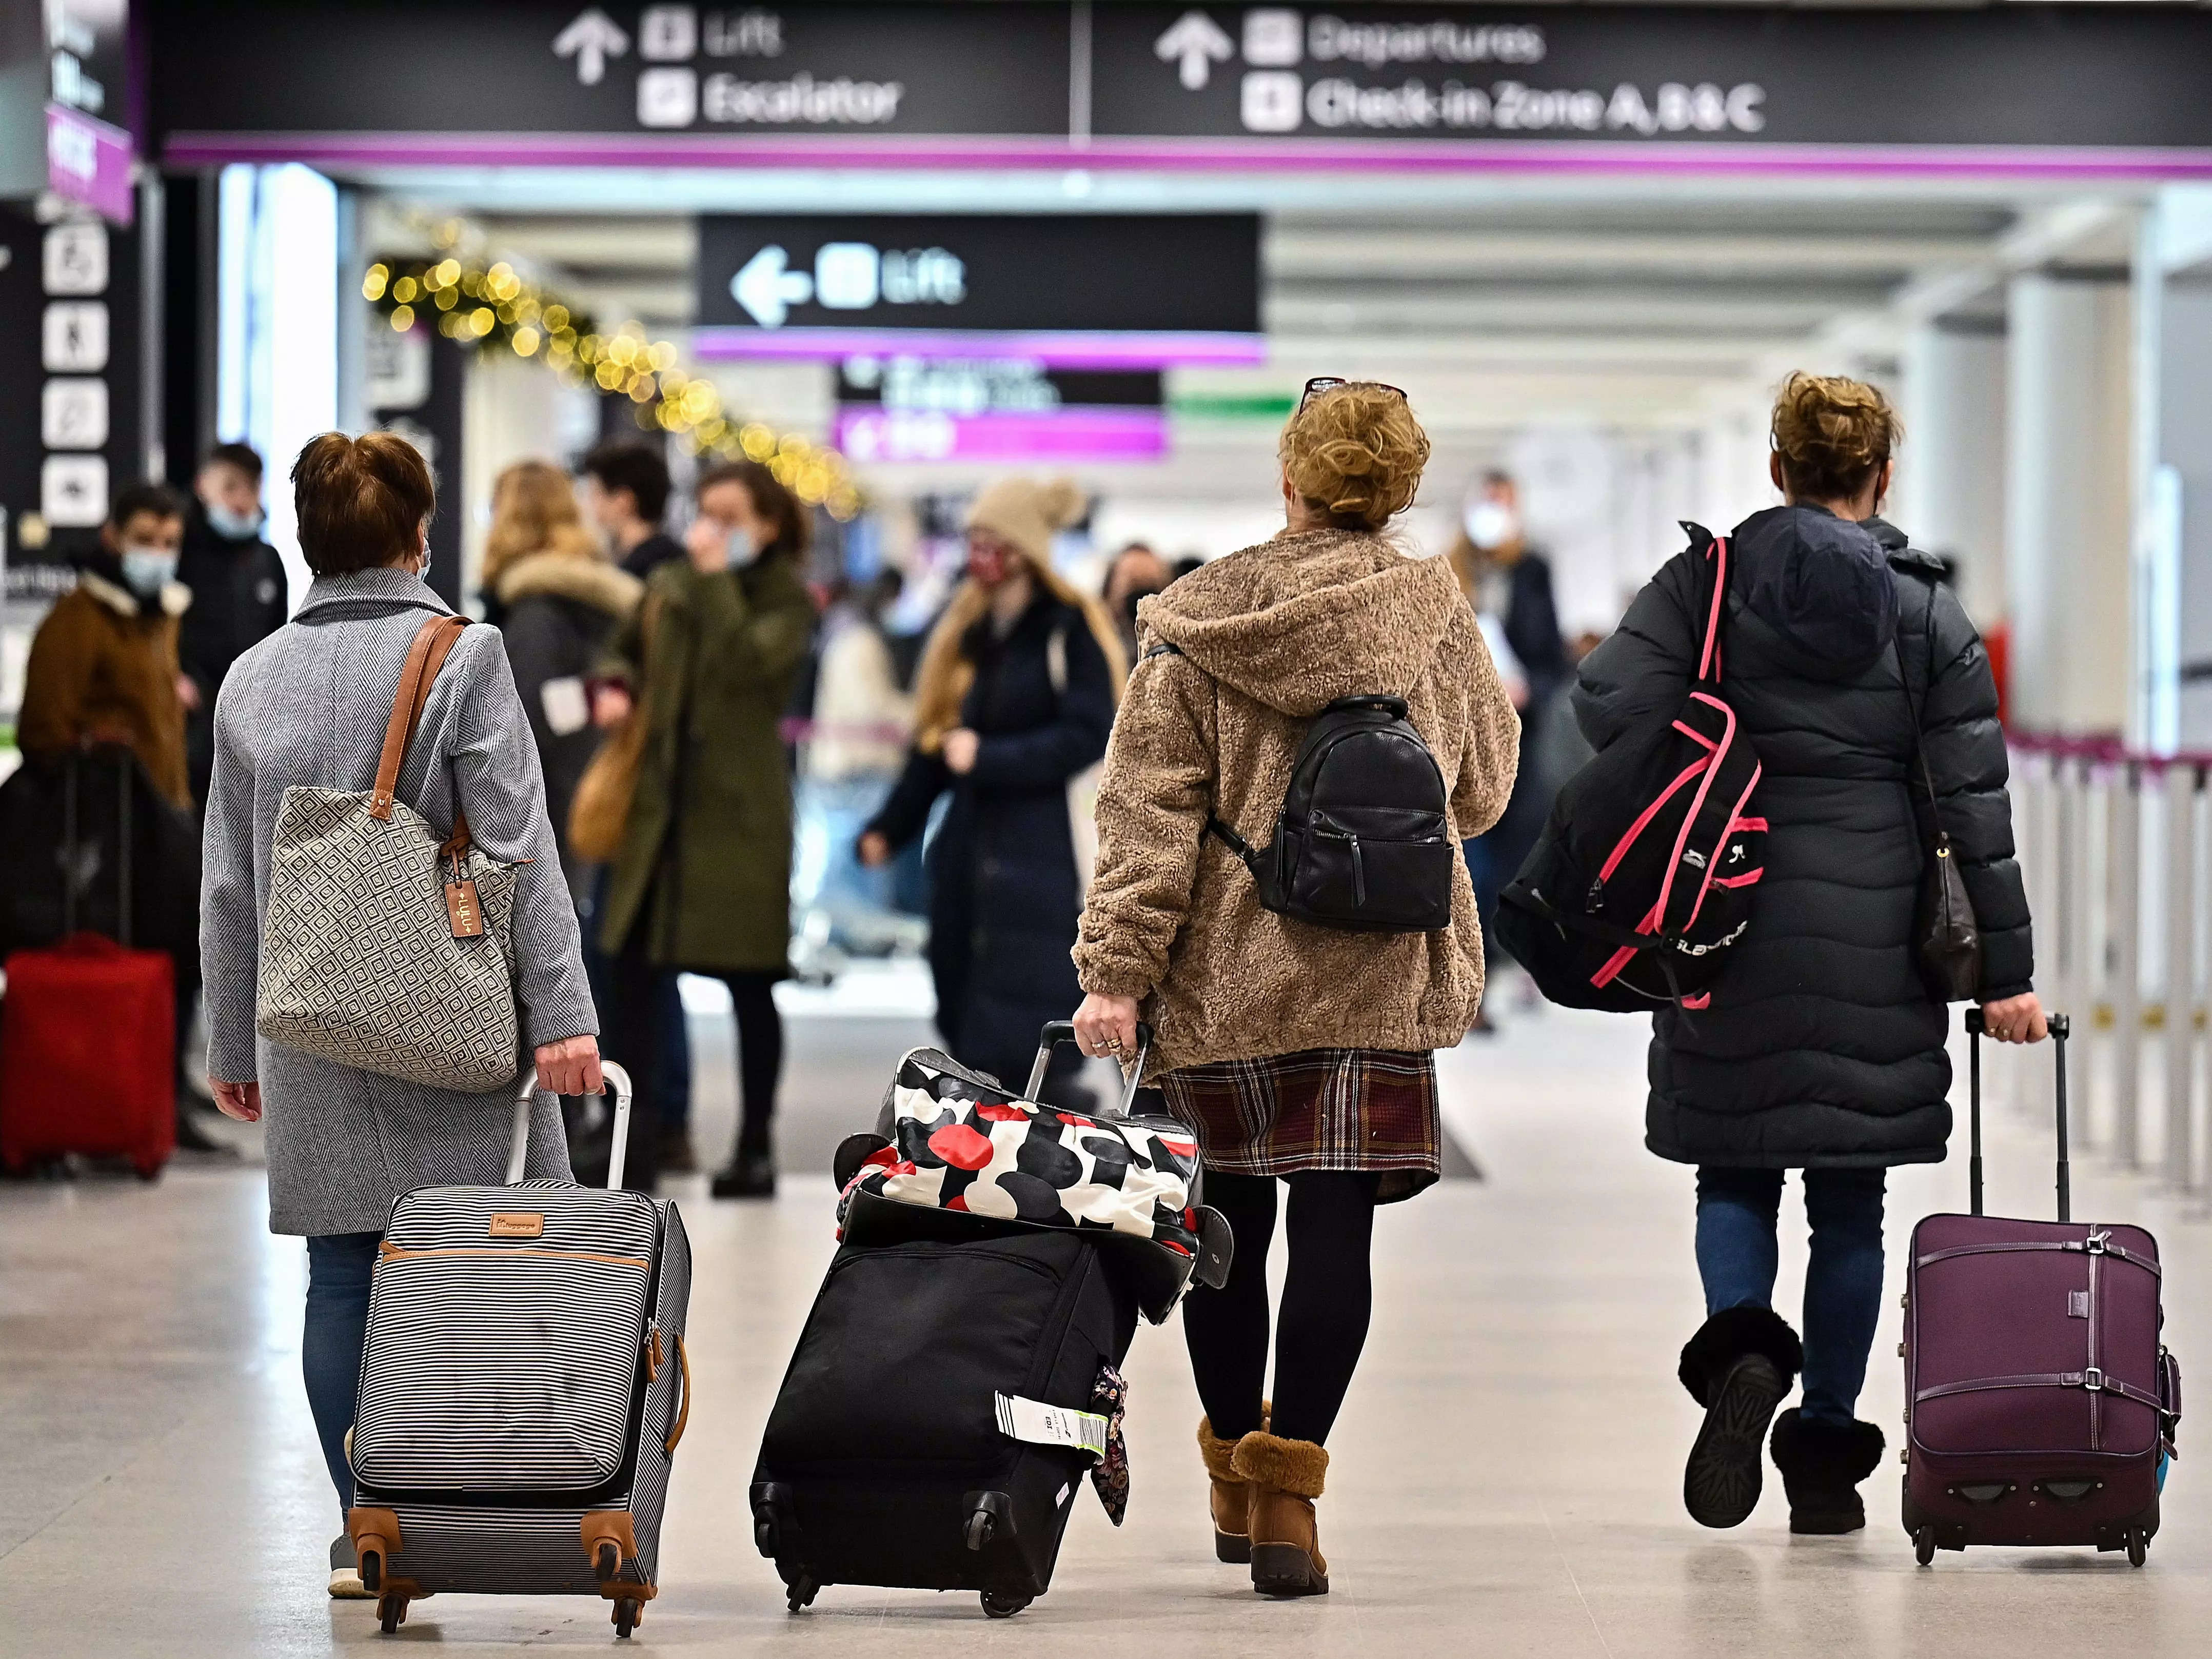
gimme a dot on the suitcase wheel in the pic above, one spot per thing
(1924, 1546)
(2138, 1546)
(391, 1613)
(627, 1614)
(804, 1589)
(1000, 1604)
(990, 1515)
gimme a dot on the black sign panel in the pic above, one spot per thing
(1176, 287)
(69, 378)
(610, 83)
(556, 66)
(991, 386)
(2105, 75)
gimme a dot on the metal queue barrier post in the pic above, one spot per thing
(2123, 928)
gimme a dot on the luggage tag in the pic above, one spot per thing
(463, 908)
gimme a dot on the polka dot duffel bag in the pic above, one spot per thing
(957, 1154)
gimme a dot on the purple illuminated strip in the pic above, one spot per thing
(90, 162)
(869, 434)
(1068, 348)
(1185, 154)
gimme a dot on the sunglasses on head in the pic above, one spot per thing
(1321, 383)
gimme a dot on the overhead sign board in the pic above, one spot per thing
(2078, 88)
(89, 147)
(998, 411)
(1074, 291)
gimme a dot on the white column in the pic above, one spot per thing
(2068, 470)
(1950, 491)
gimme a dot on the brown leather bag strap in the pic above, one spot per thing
(433, 641)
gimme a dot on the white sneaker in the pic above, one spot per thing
(345, 1571)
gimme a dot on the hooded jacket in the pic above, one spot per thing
(1821, 1047)
(103, 667)
(561, 611)
(1263, 640)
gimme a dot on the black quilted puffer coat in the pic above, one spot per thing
(1822, 1049)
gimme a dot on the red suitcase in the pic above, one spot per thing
(88, 1033)
(2041, 1405)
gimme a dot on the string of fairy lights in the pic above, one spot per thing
(493, 308)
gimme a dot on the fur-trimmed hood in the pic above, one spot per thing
(594, 582)
(1309, 616)
(176, 598)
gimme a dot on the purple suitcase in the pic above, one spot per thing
(2041, 1405)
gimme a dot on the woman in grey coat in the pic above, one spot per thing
(308, 707)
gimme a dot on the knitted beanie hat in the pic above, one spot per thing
(1024, 514)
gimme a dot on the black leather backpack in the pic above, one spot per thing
(1363, 842)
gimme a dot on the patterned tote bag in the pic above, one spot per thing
(384, 948)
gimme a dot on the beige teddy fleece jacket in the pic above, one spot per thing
(1266, 637)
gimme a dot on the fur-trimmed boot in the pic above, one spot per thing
(1230, 1498)
(1822, 1464)
(1287, 1476)
(1739, 1367)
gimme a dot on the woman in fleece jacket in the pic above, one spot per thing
(1294, 1052)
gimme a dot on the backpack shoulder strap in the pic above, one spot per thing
(1214, 827)
(1715, 566)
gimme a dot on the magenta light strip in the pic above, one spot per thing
(1068, 348)
(1075, 434)
(1553, 156)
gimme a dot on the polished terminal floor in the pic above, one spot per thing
(1506, 1477)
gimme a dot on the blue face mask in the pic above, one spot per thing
(742, 552)
(148, 569)
(232, 526)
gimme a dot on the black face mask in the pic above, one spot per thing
(1129, 604)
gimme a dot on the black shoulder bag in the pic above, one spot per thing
(1946, 937)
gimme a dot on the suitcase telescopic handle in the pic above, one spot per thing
(1057, 1032)
(2061, 1028)
(617, 1083)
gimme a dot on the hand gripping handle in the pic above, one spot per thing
(1057, 1032)
(518, 1153)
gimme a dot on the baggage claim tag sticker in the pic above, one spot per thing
(1051, 1426)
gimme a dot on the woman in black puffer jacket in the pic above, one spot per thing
(1822, 1050)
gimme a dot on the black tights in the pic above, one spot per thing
(1327, 1295)
(760, 1054)
(632, 1037)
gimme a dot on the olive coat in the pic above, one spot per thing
(705, 866)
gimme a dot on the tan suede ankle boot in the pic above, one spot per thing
(1230, 1498)
(1287, 1476)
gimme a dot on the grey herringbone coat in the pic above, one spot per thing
(307, 706)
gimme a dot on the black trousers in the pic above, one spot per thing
(634, 1037)
(1327, 1295)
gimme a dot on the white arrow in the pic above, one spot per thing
(1197, 40)
(592, 39)
(767, 290)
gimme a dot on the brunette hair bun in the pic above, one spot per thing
(1356, 453)
(359, 499)
(1833, 434)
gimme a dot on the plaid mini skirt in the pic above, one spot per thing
(1321, 1109)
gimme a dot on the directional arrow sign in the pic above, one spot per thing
(767, 290)
(592, 39)
(1197, 40)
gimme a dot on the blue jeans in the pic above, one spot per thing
(1737, 1258)
(338, 1269)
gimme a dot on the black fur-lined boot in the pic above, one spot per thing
(1821, 1464)
(1739, 1366)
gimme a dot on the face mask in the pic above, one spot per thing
(232, 526)
(987, 565)
(146, 569)
(1491, 524)
(741, 549)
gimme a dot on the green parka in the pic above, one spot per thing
(708, 847)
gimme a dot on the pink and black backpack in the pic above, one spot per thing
(1643, 881)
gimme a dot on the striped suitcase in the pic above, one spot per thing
(523, 1384)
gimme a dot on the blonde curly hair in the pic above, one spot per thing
(1355, 454)
(1833, 434)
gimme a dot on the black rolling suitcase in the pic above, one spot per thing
(959, 1376)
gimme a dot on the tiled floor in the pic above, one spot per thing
(1506, 1477)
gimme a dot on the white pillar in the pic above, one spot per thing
(2069, 498)
(1950, 474)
